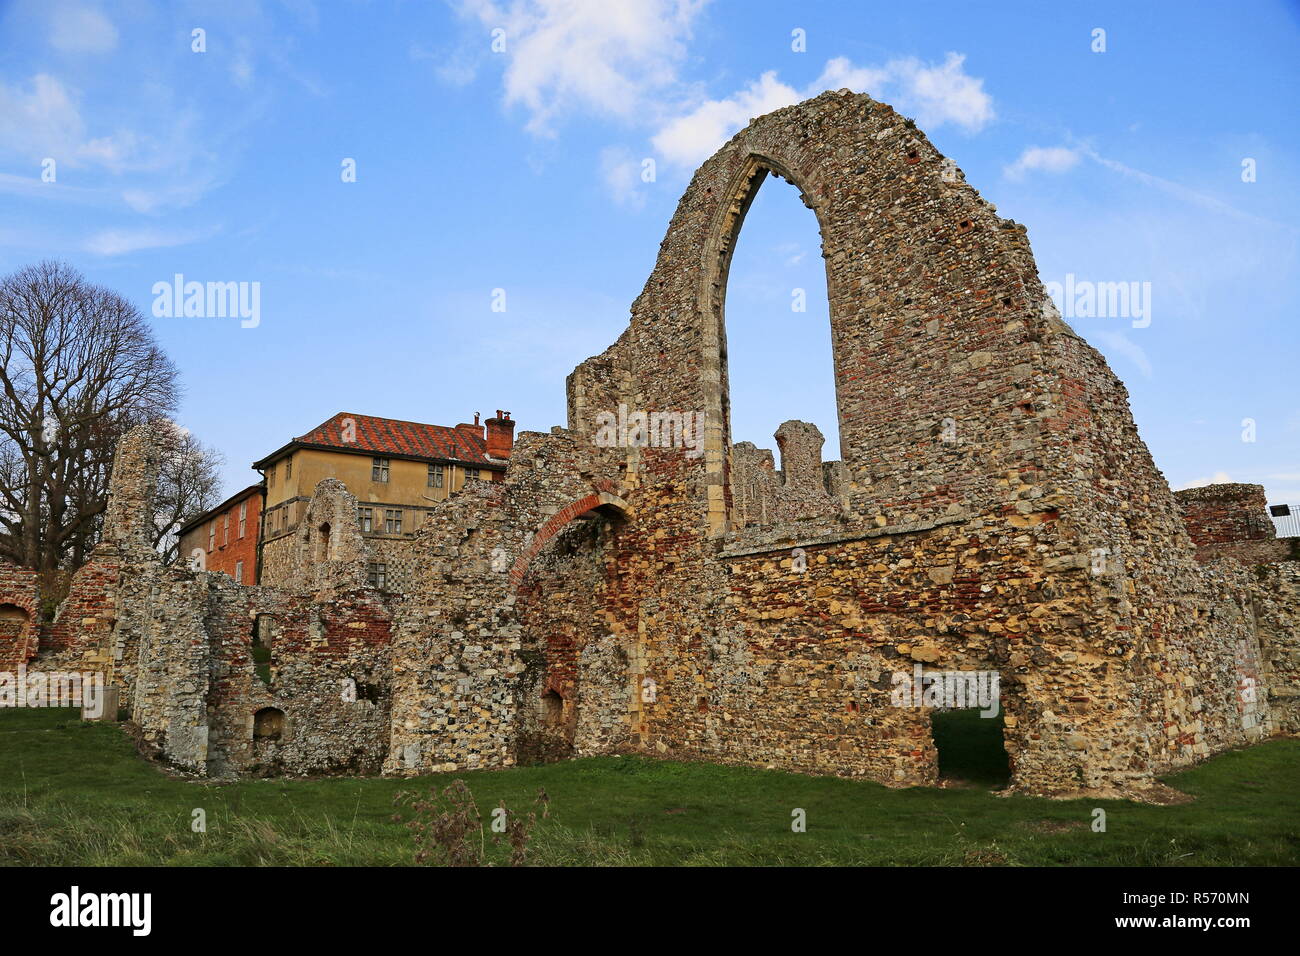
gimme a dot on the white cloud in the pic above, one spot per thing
(623, 60)
(116, 242)
(690, 139)
(1048, 159)
(78, 29)
(935, 94)
(41, 120)
(587, 54)
(1220, 478)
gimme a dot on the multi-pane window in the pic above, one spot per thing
(377, 574)
(471, 472)
(288, 468)
(435, 476)
(243, 517)
(367, 516)
(392, 521)
(239, 572)
(379, 469)
(212, 535)
(270, 477)
(225, 529)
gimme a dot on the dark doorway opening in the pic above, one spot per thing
(972, 749)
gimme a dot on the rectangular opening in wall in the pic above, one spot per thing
(972, 750)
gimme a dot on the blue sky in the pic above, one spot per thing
(521, 170)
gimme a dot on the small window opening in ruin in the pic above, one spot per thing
(261, 647)
(702, 705)
(12, 612)
(13, 623)
(323, 543)
(853, 707)
(268, 724)
(972, 749)
(552, 709)
(775, 291)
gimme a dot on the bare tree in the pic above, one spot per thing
(78, 367)
(189, 483)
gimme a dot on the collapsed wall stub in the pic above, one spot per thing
(329, 552)
(128, 515)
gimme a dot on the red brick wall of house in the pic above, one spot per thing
(228, 547)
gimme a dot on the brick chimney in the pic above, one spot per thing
(475, 429)
(500, 435)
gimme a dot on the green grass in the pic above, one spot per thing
(76, 793)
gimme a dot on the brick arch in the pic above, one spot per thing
(603, 501)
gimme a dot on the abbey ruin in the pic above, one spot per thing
(994, 510)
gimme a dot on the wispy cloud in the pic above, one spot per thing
(117, 242)
(1178, 191)
(1048, 159)
(1218, 478)
(621, 172)
(1120, 344)
(81, 28)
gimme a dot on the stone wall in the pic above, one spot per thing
(19, 615)
(1231, 520)
(995, 511)
(803, 490)
(995, 514)
(1276, 609)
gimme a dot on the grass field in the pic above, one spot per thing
(77, 794)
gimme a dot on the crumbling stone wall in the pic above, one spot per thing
(1276, 611)
(995, 512)
(468, 679)
(181, 642)
(1231, 520)
(19, 615)
(995, 509)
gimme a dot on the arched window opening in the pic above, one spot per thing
(268, 724)
(778, 363)
(552, 709)
(323, 543)
(13, 623)
(263, 646)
